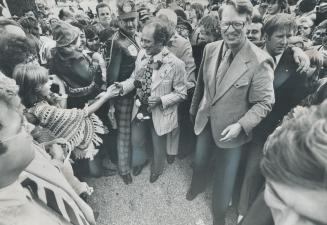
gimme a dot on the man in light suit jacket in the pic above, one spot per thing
(233, 94)
(159, 77)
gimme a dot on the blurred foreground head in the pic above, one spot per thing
(295, 167)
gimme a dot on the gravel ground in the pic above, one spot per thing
(160, 203)
(143, 203)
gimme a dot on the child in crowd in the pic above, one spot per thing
(76, 129)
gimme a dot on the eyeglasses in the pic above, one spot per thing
(237, 25)
(25, 126)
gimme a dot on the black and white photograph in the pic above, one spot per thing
(163, 112)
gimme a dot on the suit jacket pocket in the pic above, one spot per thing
(241, 83)
(168, 110)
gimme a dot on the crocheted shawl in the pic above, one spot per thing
(75, 125)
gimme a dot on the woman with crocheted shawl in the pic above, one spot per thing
(79, 127)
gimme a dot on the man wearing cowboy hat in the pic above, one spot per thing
(121, 57)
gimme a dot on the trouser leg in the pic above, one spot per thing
(139, 140)
(203, 151)
(159, 151)
(173, 141)
(124, 113)
(227, 162)
(253, 179)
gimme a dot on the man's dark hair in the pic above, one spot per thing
(211, 24)
(30, 25)
(101, 5)
(257, 19)
(161, 33)
(78, 24)
(180, 13)
(64, 12)
(295, 154)
(279, 21)
(283, 4)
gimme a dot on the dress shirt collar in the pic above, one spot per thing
(159, 56)
(276, 58)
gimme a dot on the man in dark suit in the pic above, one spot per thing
(290, 88)
(233, 94)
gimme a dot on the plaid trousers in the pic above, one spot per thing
(124, 107)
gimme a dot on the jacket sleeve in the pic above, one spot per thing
(187, 58)
(179, 92)
(199, 88)
(113, 68)
(261, 96)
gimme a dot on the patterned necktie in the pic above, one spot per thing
(56, 199)
(145, 92)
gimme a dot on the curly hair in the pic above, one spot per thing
(30, 25)
(161, 30)
(295, 154)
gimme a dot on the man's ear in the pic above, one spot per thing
(265, 37)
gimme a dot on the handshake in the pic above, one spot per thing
(112, 91)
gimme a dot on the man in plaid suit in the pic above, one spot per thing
(159, 78)
(123, 52)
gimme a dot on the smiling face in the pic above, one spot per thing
(296, 206)
(254, 31)
(148, 42)
(235, 34)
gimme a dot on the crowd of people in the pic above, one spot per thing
(238, 86)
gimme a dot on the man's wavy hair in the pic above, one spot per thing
(278, 21)
(241, 6)
(296, 153)
(161, 30)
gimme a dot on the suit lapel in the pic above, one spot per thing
(212, 70)
(236, 69)
(165, 68)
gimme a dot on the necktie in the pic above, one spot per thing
(56, 199)
(223, 67)
(146, 82)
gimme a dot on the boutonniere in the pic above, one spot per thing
(157, 65)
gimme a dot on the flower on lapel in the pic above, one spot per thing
(157, 65)
(138, 84)
(138, 103)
